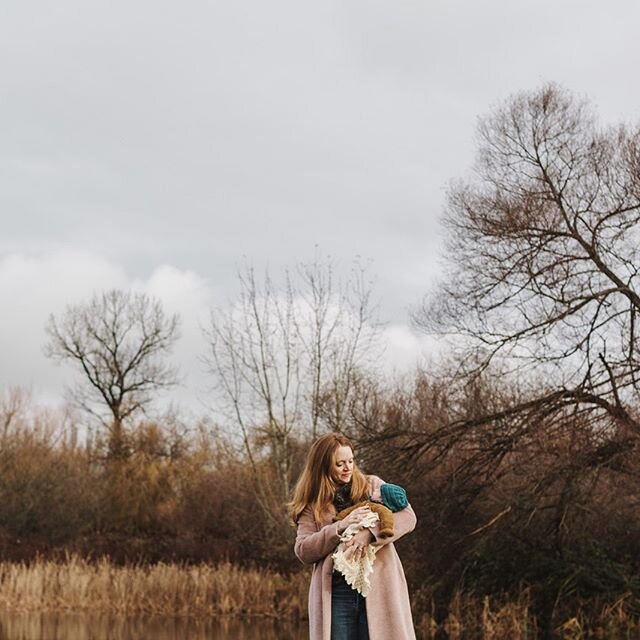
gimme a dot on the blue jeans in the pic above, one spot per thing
(348, 611)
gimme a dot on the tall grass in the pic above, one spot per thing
(162, 589)
(470, 617)
(227, 590)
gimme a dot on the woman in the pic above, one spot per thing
(331, 481)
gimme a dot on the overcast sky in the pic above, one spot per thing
(159, 144)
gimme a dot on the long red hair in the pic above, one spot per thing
(316, 486)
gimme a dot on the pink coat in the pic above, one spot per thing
(388, 607)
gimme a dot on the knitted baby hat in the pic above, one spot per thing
(394, 497)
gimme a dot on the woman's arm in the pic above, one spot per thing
(404, 521)
(312, 545)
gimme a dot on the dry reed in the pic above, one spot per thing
(163, 589)
(226, 590)
(470, 617)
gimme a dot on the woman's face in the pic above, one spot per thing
(342, 465)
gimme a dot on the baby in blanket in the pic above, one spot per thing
(394, 498)
(385, 516)
(357, 572)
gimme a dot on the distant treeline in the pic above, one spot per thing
(542, 525)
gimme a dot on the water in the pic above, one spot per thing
(79, 626)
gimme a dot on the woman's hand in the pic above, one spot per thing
(358, 544)
(353, 518)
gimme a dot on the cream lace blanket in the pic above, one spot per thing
(357, 573)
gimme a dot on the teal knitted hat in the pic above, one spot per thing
(394, 497)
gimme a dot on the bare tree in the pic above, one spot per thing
(540, 299)
(119, 341)
(543, 256)
(285, 359)
(337, 327)
(14, 404)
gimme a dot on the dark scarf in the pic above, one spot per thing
(343, 499)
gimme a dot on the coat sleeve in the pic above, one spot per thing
(404, 521)
(312, 545)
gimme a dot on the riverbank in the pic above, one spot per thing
(158, 589)
(227, 591)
